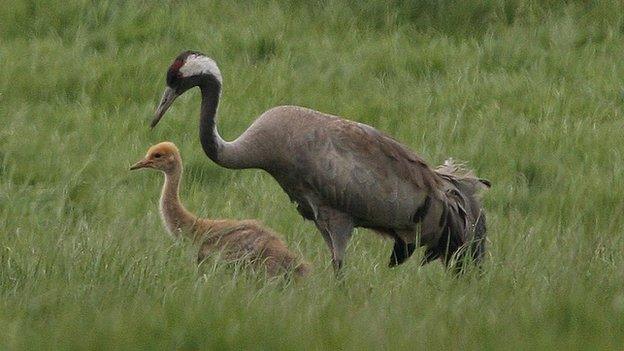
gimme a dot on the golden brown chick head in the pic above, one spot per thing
(163, 156)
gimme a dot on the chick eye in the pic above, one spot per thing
(157, 155)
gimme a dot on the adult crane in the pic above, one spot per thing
(342, 174)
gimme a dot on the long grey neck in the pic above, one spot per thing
(178, 220)
(231, 155)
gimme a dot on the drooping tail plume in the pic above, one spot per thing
(463, 175)
(463, 219)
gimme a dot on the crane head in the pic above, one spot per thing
(188, 70)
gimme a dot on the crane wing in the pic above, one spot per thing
(383, 154)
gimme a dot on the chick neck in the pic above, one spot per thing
(178, 220)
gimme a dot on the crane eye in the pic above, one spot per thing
(157, 155)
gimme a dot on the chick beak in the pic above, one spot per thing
(144, 163)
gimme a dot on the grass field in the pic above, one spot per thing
(530, 93)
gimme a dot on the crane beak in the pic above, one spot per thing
(167, 99)
(141, 164)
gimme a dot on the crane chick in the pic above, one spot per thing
(236, 240)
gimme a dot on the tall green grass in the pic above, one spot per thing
(530, 93)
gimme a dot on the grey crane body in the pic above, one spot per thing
(326, 161)
(341, 174)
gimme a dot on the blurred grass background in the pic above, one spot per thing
(530, 93)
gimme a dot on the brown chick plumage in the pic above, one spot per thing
(235, 240)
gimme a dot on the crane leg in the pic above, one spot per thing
(336, 228)
(401, 251)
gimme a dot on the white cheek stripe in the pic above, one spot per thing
(198, 64)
